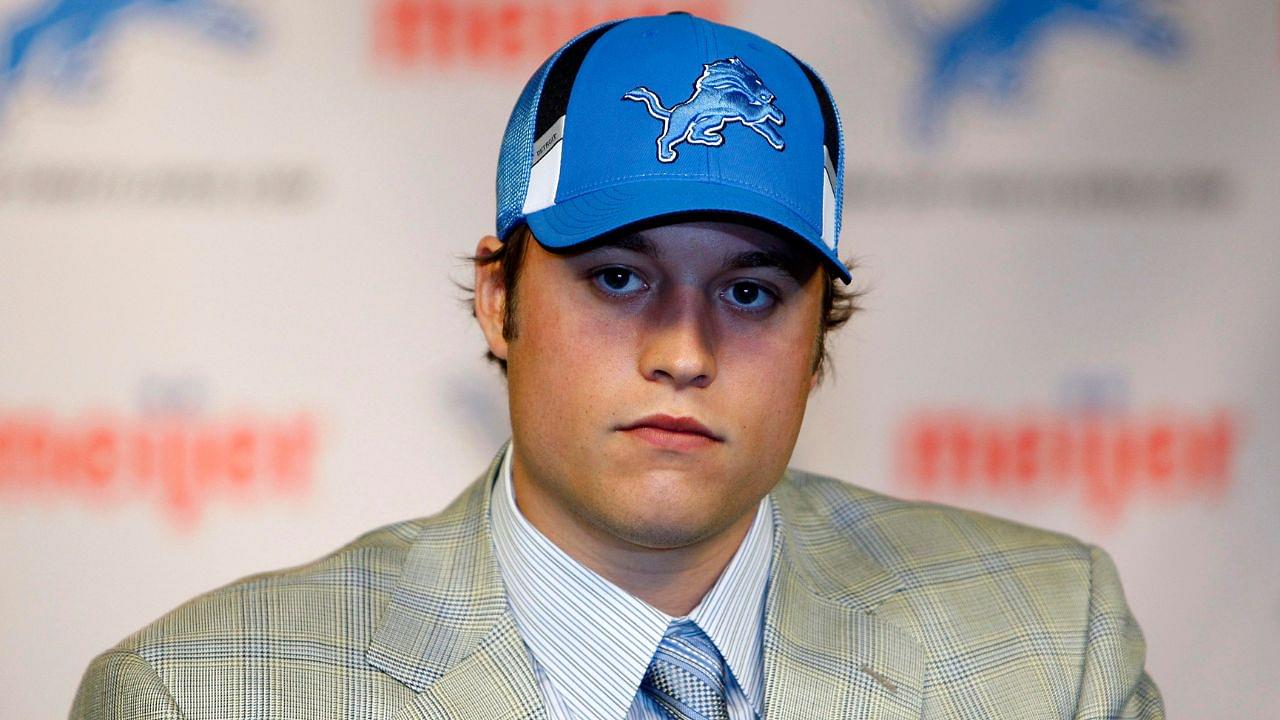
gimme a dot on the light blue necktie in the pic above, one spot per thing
(687, 675)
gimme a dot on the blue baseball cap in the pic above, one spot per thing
(655, 117)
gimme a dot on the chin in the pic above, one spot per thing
(667, 508)
(657, 536)
(655, 526)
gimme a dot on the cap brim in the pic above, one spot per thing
(590, 215)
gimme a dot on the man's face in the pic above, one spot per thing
(657, 382)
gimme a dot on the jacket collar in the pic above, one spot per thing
(448, 633)
(827, 653)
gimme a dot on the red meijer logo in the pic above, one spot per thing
(1109, 458)
(414, 33)
(179, 461)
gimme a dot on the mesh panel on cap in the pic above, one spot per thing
(515, 157)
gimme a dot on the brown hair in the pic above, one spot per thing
(839, 301)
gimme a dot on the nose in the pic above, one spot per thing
(679, 344)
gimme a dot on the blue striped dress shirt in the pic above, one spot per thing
(591, 641)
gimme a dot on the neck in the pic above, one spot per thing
(671, 579)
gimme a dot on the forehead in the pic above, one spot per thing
(708, 232)
(703, 243)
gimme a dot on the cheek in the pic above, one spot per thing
(767, 375)
(566, 339)
(565, 363)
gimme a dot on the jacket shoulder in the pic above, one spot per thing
(339, 595)
(996, 607)
(277, 637)
(926, 542)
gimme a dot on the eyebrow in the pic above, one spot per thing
(769, 259)
(786, 262)
(634, 243)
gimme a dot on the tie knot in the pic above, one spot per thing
(687, 675)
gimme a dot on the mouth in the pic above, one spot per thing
(672, 433)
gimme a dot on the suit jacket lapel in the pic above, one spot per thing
(826, 652)
(495, 682)
(447, 632)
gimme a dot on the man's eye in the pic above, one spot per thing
(618, 281)
(749, 296)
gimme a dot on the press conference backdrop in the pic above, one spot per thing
(230, 339)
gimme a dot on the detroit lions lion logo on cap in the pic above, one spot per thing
(727, 91)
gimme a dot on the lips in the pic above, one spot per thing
(672, 433)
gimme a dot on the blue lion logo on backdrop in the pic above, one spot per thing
(67, 35)
(727, 91)
(989, 49)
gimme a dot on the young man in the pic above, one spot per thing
(658, 295)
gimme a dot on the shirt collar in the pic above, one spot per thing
(593, 639)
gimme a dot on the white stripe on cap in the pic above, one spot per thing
(828, 201)
(544, 177)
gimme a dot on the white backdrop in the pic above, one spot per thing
(229, 339)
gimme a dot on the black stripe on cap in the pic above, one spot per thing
(554, 100)
(830, 126)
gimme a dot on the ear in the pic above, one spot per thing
(491, 297)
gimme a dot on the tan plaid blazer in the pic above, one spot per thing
(877, 608)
